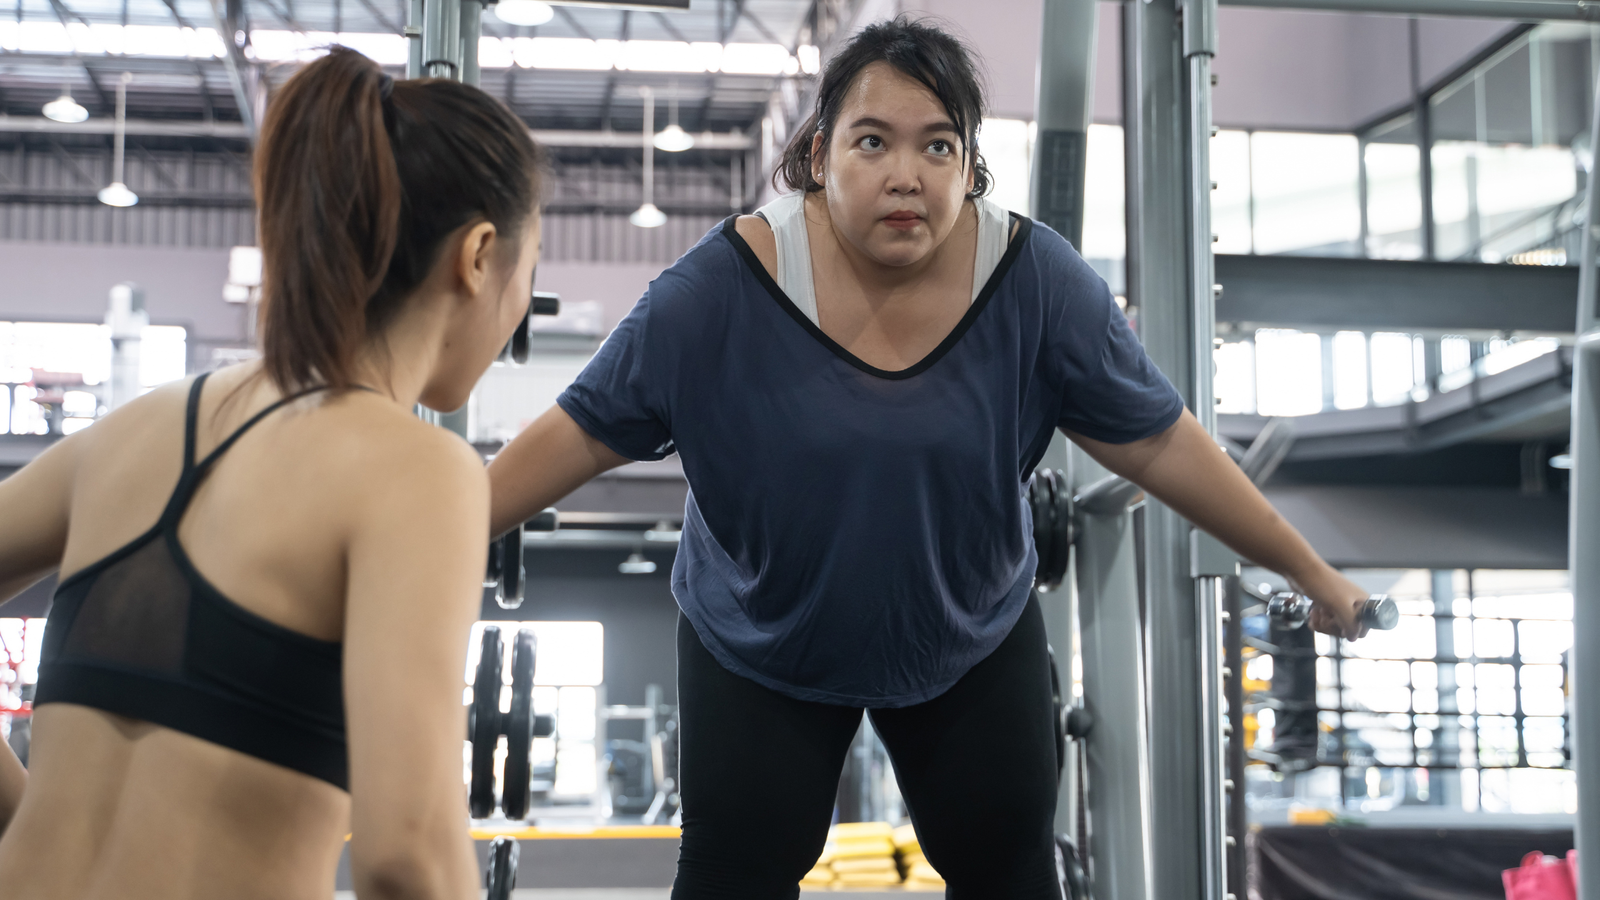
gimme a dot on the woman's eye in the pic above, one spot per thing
(940, 148)
(872, 142)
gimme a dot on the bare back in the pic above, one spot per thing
(122, 808)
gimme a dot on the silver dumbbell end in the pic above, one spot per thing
(1292, 610)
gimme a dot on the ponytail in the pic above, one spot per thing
(358, 180)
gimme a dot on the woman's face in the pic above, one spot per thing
(483, 326)
(894, 174)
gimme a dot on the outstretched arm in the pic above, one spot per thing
(37, 501)
(13, 778)
(1184, 468)
(550, 459)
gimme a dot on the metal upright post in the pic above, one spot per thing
(1063, 109)
(471, 32)
(441, 39)
(413, 31)
(1167, 51)
(1584, 544)
(446, 48)
(1114, 690)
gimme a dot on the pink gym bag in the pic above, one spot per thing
(1543, 877)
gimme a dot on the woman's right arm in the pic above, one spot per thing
(550, 459)
(415, 553)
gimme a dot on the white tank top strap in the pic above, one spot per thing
(994, 233)
(786, 217)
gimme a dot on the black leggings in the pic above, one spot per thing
(759, 773)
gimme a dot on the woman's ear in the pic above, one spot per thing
(477, 249)
(818, 158)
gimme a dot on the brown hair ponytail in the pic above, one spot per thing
(358, 180)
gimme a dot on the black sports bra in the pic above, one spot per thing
(141, 633)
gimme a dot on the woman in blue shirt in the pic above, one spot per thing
(858, 381)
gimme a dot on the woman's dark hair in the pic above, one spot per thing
(927, 53)
(358, 180)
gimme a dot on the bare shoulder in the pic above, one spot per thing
(380, 444)
(758, 234)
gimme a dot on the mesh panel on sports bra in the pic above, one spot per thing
(135, 615)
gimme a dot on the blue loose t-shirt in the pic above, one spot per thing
(853, 535)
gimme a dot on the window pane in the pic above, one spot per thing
(1394, 201)
(1235, 378)
(1393, 370)
(1349, 370)
(1289, 372)
(1230, 202)
(1306, 196)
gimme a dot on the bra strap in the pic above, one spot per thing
(191, 421)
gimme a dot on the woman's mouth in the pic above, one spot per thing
(905, 220)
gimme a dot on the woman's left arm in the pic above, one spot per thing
(1184, 468)
(13, 778)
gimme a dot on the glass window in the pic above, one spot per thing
(1489, 713)
(1007, 147)
(1349, 370)
(1105, 229)
(1231, 213)
(1394, 201)
(1306, 197)
(1289, 372)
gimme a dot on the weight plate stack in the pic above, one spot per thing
(502, 874)
(514, 795)
(485, 723)
(513, 576)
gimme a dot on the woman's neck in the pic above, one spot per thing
(878, 279)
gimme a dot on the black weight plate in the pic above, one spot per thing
(513, 576)
(1057, 708)
(522, 339)
(1041, 523)
(1047, 560)
(519, 730)
(486, 685)
(502, 874)
(1062, 557)
(491, 572)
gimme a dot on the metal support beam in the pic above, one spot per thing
(1064, 107)
(1114, 693)
(1395, 295)
(441, 39)
(1584, 545)
(1527, 10)
(1064, 98)
(1167, 50)
(228, 25)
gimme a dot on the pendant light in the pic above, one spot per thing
(524, 12)
(673, 138)
(636, 564)
(116, 193)
(647, 215)
(65, 109)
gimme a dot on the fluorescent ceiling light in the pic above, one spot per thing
(674, 139)
(117, 194)
(648, 216)
(523, 12)
(65, 109)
